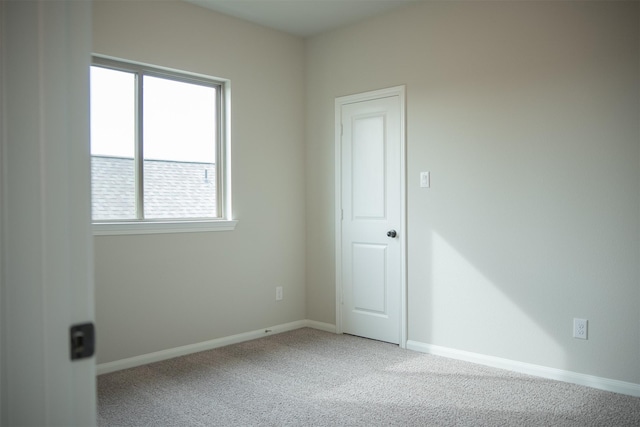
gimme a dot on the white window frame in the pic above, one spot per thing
(223, 160)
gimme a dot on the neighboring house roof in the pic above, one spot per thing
(171, 189)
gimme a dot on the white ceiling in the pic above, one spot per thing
(302, 17)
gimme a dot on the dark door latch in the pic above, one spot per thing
(83, 342)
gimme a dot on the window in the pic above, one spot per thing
(159, 149)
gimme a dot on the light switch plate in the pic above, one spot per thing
(425, 179)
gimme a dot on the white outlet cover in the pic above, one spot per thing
(580, 329)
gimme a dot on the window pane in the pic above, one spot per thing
(179, 149)
(112, 144)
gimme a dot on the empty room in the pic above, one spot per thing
(413, 213)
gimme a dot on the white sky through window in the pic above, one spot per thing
(112, 112)
(179, 118)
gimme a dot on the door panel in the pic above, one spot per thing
(367, 167)
(368, 278)
(371, 199)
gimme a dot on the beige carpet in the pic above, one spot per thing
(312, 378)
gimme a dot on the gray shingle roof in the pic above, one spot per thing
(172, 189)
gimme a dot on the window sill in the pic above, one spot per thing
(161, 227)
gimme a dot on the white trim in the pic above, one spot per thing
(132, 362)
(338, 213)
(403, 221)
(350, 99)
(600, 383)
(225, 146)
(327, 327)
(161, 227)
(46, 254)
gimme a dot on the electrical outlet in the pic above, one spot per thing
(580, 328)
(279, 293)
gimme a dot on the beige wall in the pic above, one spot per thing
(155, 292)
(527, 115)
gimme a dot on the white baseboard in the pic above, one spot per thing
(606, 384)
(327, 327)
(132, 362)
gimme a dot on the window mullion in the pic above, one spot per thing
(139, 148)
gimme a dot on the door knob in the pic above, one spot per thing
(392, 233)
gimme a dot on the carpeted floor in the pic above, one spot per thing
(313, 378)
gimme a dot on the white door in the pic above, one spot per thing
(371, 225)
(47, 249)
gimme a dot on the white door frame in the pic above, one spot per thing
(349, 99)
(46, 258)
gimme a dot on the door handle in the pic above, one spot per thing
(392, 233)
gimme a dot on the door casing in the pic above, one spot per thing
(339, 102)
(46, 270)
